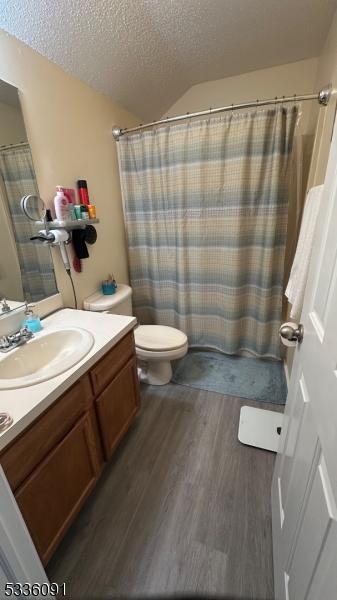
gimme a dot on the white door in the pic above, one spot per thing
(304, 489)
(19, 562)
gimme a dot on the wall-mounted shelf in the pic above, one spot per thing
(68, 225)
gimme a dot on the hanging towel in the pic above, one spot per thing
(300, 268)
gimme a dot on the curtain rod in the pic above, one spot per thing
(322, 97)
(10, 146)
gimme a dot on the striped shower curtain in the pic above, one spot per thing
(206, 207)
(18, 179)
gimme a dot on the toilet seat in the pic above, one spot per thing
(163, 355)
(159, 338)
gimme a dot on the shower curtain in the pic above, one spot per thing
(18, 179)
(206, 207)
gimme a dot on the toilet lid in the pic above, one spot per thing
(159, 337)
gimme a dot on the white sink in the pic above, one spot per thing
(44, 357)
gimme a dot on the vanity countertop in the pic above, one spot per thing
(27, 403)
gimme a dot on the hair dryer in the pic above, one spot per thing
(55, 237)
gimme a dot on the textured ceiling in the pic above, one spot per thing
(146, 53)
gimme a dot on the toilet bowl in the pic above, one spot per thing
(156, 345)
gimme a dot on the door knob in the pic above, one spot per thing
(292, 333)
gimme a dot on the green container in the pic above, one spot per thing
(77, 208)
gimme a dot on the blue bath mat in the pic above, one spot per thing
(249, 378)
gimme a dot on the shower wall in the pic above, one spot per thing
(265, 83)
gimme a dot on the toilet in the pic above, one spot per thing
(156, 345)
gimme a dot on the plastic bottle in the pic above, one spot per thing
(84, 212)
(83, 191)
(72, 214)
(92, 211)
(61, 205)
(77, 209)
(32, 321)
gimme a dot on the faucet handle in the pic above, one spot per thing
(4, 342)
(5, 305)
(25, 332)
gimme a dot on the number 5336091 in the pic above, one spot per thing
(35, 589)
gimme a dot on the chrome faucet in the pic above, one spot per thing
(4, 305)
(9, 342)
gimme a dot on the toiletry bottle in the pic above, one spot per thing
(84, 212)
(92, 211)
(83, 191)
(77, 209)
(32, 321)
(69, 193)
(72, 214)
(61, 205)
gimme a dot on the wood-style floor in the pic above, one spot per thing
(183, 508)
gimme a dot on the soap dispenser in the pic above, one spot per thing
(32, 320)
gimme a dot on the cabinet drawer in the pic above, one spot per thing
(26, 452)
(117, 406)
(53, 494)
(102, 373)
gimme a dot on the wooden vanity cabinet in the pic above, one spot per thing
(55, 463)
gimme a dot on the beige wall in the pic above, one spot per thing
(12, 127)
(326, 73)
(297, 77)
(69, 129)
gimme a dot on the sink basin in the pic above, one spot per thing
(44, 357)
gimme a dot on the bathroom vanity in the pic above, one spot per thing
(56, 459)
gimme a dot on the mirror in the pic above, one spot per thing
(33, 207)
(26, 268)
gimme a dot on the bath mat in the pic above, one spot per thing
(250, 378)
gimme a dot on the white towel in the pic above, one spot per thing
(300, 268)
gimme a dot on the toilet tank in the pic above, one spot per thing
(119, 303)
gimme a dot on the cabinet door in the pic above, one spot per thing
(117, 406)
(26, 452)
(53, 494)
